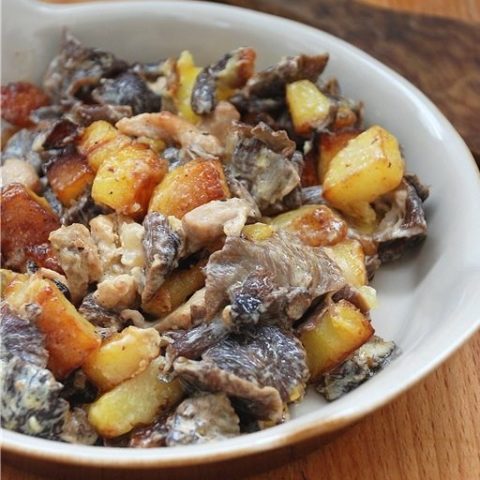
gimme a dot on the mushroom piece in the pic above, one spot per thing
(251, 369)
(202, 419)
(163, 246)
(266, 163)
(273, 281)
(363, 364)
(403, 225)
(231, 71)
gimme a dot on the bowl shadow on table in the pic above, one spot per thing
(235, 469)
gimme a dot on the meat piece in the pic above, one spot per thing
(265, 162)
(116, 292)
(163, 246)
(202, 419)
(19, 99)
(78, 257)
(275, 280)
(220, 121)
(85, 114)
(231, 71)
(106, 322)
(119, 243)
(15, 170)
(403, 225)
(30, 399)
(192, 343)
(78, 69)
(252, 369)
(363, 364)
(205, 224)
(76, 428)
(271, 82)
(21, 338)
(173, 130)
(127, 89)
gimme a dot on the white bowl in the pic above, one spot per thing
(429, 303)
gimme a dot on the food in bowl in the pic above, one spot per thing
(185, 249)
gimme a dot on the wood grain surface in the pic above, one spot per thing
(432, 432)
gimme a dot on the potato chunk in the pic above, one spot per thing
(189, 186)
(369, 166)
(180, 285)
(69, 338)
(349, 256)
(97, 142)
(122, 356)
(333, 335)
(136, 401)
(316, 225)
(69, 175)
(330, 144)
(27, 221)
(127, 177)
(187, 75)
(309, 107)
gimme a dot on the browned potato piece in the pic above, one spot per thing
(330, 144)
(69, 338)
(122, 356)
(27, 221)
(126, 178)
(333, 335)
(187, 73)
(69, 175)
(349, 256)
(369, 166)
(189, 186)
(309, 107)
(95, 142)
(136, 401)
(180, 285)
(316, 225)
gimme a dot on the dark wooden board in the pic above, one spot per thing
(440, 56)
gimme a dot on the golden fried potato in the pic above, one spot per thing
(122, 356)
(349, 256)
(333, 335)
(189, 186)
(125, 180)
(369, 166)
(69, 175)
(309, 107)
(315, 225)
(27, 221)
(187, 75)
(69, 338)
(330, 144)
(180, 285)
(136, 401)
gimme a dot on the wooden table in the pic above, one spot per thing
(432, 432)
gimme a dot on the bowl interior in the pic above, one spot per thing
(428, 303)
